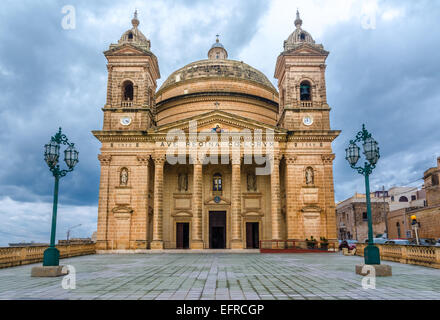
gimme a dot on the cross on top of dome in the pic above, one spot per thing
(298, 21)
(135, 22)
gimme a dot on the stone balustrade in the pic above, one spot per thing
(17, 256)
(420, 255)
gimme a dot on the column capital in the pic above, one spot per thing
(290, 159)
(237, 160)
(276, 158)
(105, 159)
(196, 160)
(159, 159)
(328, 158)
(144, 161)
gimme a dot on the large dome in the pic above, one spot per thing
(231, 86)
(211, 69)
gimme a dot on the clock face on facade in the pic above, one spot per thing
(308, 121)
(126, 121)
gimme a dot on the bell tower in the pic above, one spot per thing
(300, 71)
(308, 157)
(132, 74)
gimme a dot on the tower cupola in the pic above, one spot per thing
(217, 51)
(134, 36)
(299, 36)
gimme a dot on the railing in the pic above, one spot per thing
(306, 104)
(17, 256)
(293, 246)
(419, 255)
(127, 104)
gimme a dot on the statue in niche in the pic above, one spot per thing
(310, 176)
(183, 182)
(251, 182)
(124, 177)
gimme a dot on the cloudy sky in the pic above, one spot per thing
(383, 70)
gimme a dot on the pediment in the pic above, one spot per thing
(220, 201)
(306, 49)
(182, 214)
(219, 121)
(251, 214)
(125, 50)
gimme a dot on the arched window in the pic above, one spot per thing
(398, 230)
(128, 91)
(130, 36)
(305, 91)
(217, 182)
(403, 199)
(302, 36)
(434, 180)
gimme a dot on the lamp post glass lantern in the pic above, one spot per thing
(51, 156)
(372, 155)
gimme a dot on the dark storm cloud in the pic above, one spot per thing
(387, 78)
(51, 77)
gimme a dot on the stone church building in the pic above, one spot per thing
(146, 202)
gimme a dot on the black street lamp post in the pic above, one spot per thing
(51, 156)
(371, 152)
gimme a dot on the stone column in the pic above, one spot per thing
(197, 239)
(157, 244)
(276, 200)
(293, 215)
(103, 209)
(139, 224)
(330, 208)
(236, 219)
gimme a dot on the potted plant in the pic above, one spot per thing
(311, 244)
(324, 244)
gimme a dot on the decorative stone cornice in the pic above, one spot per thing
(105, 159)
(216, 96)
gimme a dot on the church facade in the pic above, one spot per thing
(184, 166)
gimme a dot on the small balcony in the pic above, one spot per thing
(127, 104)
(306, 104)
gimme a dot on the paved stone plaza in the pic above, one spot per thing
(220, 276)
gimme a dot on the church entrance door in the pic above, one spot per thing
(217, 229)
(182, 236)
(252, 235)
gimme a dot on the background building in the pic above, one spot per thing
(428, 213)
(353, 220)
(405, 197)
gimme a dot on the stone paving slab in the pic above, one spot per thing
(221, 276)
